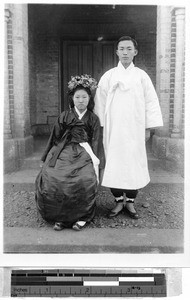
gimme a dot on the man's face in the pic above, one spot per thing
(126, 52)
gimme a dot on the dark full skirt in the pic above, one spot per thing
(66, 193)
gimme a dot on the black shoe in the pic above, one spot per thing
(113, 214)
(58, 226)
(76, 226)
(133, 215)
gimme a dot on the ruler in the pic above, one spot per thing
(86, 283)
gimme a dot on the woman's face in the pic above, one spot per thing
(81, 100)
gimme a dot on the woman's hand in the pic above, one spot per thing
(147, 135)
(41, 164)
(101, 173)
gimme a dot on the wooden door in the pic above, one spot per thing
(80, 57)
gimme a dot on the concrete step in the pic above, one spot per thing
(34, 161)
(40, 142)
(24, 180)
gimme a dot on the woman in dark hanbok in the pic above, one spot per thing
(67, 183)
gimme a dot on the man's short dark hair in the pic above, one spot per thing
(127, 38)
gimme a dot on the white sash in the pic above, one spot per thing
(94, 158)
(123, 86)
(88, 149)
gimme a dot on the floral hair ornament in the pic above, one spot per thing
(84, 80)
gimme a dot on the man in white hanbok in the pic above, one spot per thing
(127, 106)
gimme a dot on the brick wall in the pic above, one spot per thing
(172, 69)
(183, 105)
(46, 99)
(32, 70)
(183, 100)
(163, 54)
(172, 77)
(146, 58)
(10, 72)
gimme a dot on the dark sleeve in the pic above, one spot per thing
(57, 131)
(97, 143)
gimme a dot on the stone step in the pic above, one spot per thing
(24, 180)
(40, 142)
(34, 161)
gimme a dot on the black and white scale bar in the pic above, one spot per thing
(86, 281)
(91, 283)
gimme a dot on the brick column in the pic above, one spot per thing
(170, 61)
(7, 126)
(17, 108)
(22, 126)
(21, 71)
(179, 63)
(163, 64)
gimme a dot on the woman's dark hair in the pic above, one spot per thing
(90, 105)
(127, 38)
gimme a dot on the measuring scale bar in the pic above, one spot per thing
(90, 284)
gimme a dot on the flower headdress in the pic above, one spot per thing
(84, 80)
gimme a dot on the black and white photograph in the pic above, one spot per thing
(94, 128)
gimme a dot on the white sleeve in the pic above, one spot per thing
(152, 106)
(101, 97)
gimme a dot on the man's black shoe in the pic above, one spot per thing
(133, 215)
(113, 214)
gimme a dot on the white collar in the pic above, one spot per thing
(79, 113)
(128, 68)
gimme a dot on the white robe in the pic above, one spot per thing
(126, 104)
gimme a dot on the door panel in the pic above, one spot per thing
(73, 59)
(86, 59)
(93, 58)
(108, 57)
